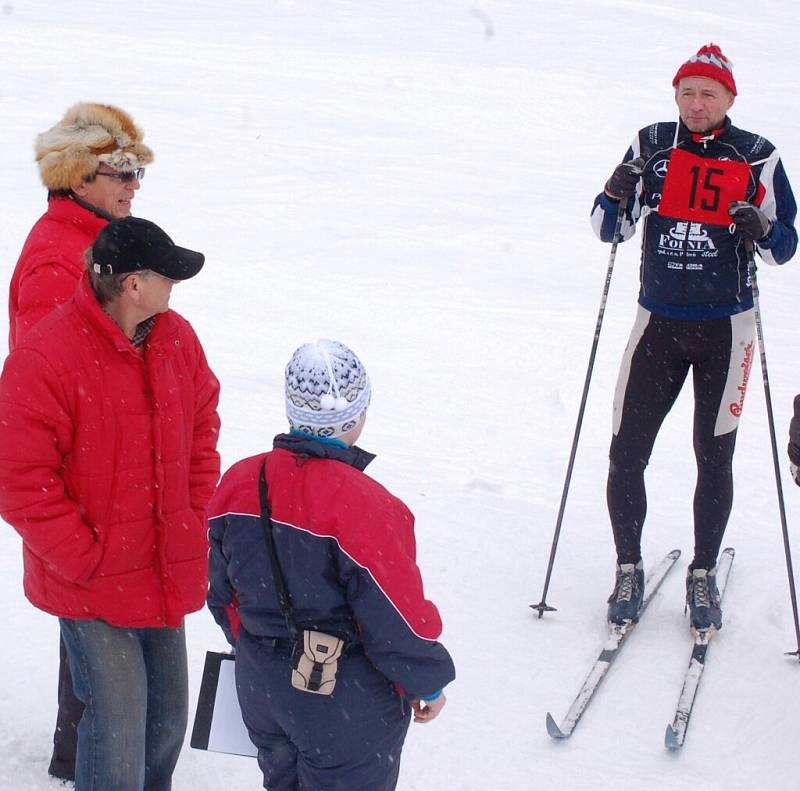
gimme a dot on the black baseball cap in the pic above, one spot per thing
(132, 244)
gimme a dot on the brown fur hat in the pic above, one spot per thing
(86, 136)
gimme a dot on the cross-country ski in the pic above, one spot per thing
(676, 732)
(617, 637)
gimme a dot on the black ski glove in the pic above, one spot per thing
(624, 179)
(751, 223)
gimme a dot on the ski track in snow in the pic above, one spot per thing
(415, 179)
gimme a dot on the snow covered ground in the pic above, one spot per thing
(414, 178)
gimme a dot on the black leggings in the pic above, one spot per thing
(654, 368)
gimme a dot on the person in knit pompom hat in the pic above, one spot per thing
(346, 551)
(327, 390)
(91, 163)
(708, 62)
(713, 194)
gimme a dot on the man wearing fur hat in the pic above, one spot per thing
(710, 194)
(91, 163)
(109, 426)
(309, 554)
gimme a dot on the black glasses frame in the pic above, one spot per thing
(125, 176)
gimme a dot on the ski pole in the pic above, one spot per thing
(542, 606)
(751, 272)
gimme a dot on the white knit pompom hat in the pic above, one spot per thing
(327, 389)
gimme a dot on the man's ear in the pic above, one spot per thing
(78, 187)
(130, 285)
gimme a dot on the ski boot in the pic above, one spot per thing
(625, 602)
(702, 599)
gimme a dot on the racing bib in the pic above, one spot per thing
(701, 190)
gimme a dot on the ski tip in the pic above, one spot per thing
(674, 555)
(553, 729)
(671, 740)
(729, 551)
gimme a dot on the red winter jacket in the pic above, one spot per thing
(50, 264)
(107, 461)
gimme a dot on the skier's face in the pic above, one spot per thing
(702, 103)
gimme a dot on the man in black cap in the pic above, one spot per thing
(132, 267)
(109, 427)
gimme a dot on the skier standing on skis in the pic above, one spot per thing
(707, 193)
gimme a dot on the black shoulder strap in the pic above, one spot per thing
(284, 600)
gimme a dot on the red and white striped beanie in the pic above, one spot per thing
(708, 62)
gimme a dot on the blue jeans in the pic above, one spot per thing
(134, 685)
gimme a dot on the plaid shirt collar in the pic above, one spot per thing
(142, 331)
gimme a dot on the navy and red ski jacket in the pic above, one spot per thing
(347, 551)
(694, 270)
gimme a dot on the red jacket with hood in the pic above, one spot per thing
(108, 459)
(50, 264)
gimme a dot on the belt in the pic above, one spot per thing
(284, 645)
(280, 645)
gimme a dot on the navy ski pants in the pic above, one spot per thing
(348, 741)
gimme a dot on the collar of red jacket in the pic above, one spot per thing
(64, 209)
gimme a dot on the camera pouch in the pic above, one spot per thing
(316, 662)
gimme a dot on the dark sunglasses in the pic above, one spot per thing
(137, 174)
